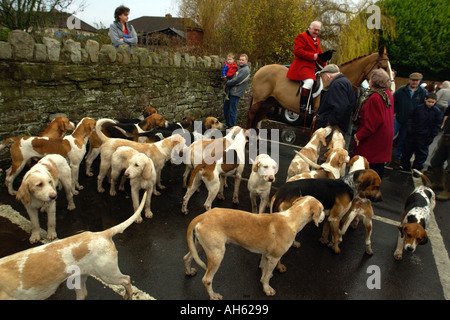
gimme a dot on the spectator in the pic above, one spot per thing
(120, 31)
(443, 96)
(336, 104)
(441, 179)
(228, 71)
(423, 125)
(307, 53)
(374, 137)
(237, 85)
(406, 98)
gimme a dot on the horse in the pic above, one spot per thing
(270, 84)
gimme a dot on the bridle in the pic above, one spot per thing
(378, 65)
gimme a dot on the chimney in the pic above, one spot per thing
(168, 15)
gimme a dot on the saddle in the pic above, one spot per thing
(313, 93)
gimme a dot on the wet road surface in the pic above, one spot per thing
(151, 252)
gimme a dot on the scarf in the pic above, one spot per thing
(383, 96)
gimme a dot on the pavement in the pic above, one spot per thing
(151, 252)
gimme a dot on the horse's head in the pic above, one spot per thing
(383, 58)
(383, 62)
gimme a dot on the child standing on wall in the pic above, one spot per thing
(228, 71)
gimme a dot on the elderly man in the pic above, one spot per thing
(336, 104)
(307, 53)
(406, 98)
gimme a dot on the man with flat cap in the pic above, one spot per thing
(337, 100)
(406, 98)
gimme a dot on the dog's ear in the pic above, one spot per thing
(423, 240)
(23, 194)
(255, 166)
(316, 216)
(401, 229)
(147, 172)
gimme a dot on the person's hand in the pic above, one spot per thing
(121, 39)
(315, 56)
(356, 140)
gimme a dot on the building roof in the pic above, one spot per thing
(148, 24)
(59, 19)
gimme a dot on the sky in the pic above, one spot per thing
(102, 11)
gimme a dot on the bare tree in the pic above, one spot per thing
(25, 14)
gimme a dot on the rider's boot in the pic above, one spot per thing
(304, 99)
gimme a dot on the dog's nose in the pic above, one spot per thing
(271, 178)
(52, 196)
(410, 249)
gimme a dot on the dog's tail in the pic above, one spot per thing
(420, 179)
(308, 161)
(127, 134)
(98, 128)
(194, 173)
(191, 241)
(8, 141)
(122, 226)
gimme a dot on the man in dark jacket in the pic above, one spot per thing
(406, 98)
(337, 102)
(423, 125)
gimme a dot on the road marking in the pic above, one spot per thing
(440, 255)
(386, 220)
(15, 217)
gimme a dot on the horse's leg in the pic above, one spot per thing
(252, 113)
(258, 112)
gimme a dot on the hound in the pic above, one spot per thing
(336, 195)
(214, 172)
(38, 191)
(311, 151)
(36, 273)
(113, 129)
(56, 129)
(141, 172)
(260, 182)
(72, 147)
(417, 212)
(268, 234)
(160, 152)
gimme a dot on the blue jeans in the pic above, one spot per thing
(230, 111)
(401, 128)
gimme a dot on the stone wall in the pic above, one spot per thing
(41, 80)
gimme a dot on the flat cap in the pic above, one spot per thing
(416, 76)
(331, 68)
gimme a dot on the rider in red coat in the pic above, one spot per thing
(307, 52)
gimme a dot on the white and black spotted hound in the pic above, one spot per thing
(418, 209)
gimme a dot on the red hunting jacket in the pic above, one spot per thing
(303, 67)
